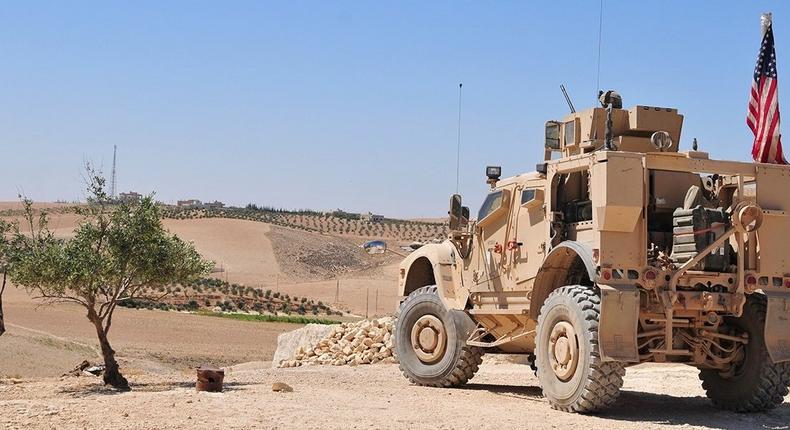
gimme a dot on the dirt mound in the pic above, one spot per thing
(306, 255)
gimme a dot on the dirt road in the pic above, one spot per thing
(500, 396)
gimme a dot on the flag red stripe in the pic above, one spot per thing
(772, 119)
(770, 144)
(766, 100)
(759, 148)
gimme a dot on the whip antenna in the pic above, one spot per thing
(600, 30)
(458, 148)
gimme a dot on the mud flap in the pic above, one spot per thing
(618, 323)
(777, 326)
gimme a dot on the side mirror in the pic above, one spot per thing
(456, 212)
(552, 135)
(464, 216)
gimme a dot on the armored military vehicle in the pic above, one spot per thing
(618, 250)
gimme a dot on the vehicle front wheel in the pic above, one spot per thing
(430, 341)
(570, 369)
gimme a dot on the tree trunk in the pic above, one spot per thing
(112, 373)
(2, 320)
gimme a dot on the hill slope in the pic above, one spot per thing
(338, 224)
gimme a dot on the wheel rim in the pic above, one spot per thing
(429, 339)
(563, 350)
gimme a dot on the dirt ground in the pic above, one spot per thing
(158, 351)
(48, 341)
(372, 396)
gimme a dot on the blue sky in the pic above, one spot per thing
(348, 104)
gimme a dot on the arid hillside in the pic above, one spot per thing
(320, 273)
(334, 223)
(257, 255)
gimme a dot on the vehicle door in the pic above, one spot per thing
(527, 245)
(492, 229)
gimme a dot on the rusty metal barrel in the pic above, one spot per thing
(209, 378)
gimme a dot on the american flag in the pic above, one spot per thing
(763, 116)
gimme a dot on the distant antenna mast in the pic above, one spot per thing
(600, 31)
(458, 149)
(567, 98)
(112, 186)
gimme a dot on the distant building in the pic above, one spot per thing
(191, 203)
(214, 205)
(340, 213)
(130, 197)
(371, 217)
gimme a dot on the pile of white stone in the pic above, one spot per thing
(363, 342)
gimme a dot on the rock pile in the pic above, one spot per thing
(363, 342)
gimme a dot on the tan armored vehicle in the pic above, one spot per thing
(618, 250)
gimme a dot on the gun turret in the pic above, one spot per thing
(631, 129)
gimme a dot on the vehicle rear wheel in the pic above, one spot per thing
(430, 341)
(570, 369)
(754, 383)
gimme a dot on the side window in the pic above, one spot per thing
(491, 203)
(527, 196)
(570, 133)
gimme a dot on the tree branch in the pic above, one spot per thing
(111, 301)
(108, 323)
(62, 299)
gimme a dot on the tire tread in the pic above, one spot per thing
(605, 379)
(466, 366)
(773, 378)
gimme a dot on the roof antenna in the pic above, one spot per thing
(600, 31)
(567, 99)
(458, 149)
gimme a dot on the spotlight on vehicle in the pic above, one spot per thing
(493, 173)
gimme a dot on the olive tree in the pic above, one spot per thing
(5, 229)
(118, 252)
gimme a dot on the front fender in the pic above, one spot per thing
(567, 258)
(432, 264)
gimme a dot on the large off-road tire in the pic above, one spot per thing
(756, 383)
(570, 369)
(430, 341)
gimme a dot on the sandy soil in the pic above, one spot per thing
(357, 295)
(500, 396)
(242, 248)
(276, 258)
(48, 341)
